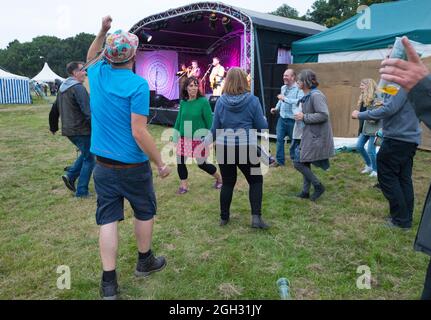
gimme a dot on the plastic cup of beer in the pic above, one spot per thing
(399, 52)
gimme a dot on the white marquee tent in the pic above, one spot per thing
(47, 75)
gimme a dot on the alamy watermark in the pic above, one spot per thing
(238, 146)
(64, 280)
(364, 21)
(364, 280)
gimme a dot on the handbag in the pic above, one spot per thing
(379, 138)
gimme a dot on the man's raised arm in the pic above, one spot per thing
(97, 45)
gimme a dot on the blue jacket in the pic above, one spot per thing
(234, 119)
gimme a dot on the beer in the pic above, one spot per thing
(398, 52)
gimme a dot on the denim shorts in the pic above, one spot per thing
(114, 185)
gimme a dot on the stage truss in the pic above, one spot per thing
(248, 55)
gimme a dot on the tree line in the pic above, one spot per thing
(327, 12)
(28, 58)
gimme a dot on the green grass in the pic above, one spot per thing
(318, 247)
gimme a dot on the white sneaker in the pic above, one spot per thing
(373, 174)
(367, 169)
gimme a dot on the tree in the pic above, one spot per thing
(286, 11)
(333, 12)
(28, 58)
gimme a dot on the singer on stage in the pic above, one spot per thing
(217, 77)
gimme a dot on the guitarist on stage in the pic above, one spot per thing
(217, 77)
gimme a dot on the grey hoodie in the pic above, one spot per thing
(399, 118)
(68, 83)
(236, 116)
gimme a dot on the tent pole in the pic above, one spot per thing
(259, 66)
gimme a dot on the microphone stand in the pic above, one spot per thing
(182, 76)
(204, 78)
(157, 76)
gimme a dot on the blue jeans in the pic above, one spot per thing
(83, 166)
(284, 128)
(370, 156)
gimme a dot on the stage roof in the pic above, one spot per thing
(189, 26)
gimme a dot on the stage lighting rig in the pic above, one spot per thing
(227, 24)
(213, 20)
(156, 26)
(145, 37)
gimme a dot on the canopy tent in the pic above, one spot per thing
(259, 43)
(47, 75)
(14, 89)
(367, 35)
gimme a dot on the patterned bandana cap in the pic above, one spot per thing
(120, 47)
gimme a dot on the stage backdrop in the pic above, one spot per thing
(159, 69)
(229, 53)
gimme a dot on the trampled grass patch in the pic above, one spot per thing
(317, 246)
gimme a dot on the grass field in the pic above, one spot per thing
(317, 246)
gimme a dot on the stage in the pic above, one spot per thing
(163, 116)
(258, 43)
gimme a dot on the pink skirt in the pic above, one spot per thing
(190, 148)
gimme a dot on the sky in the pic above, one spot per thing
(25, 19)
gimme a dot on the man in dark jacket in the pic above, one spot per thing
(73, 107)
(415, 78)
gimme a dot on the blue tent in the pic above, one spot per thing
(14, 89)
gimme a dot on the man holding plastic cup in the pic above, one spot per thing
(414, 76)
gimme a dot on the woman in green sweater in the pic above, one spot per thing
(193, 122)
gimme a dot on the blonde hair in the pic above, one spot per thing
(236, 82)
(367, 97)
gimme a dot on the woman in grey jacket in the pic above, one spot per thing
(317, 143)
(238, 114)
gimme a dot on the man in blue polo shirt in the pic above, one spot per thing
(123, 146)
(287, 101)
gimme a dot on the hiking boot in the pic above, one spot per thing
(318, 191)
(223, 222)
(69, 184)
(109, 290)
(258, 223)
(303, 195)
(390, 224)
(149, 265)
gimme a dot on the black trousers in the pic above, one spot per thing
(308, 176)
(183, 173)
(395, 166)
(245, 159)
(426, 295)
